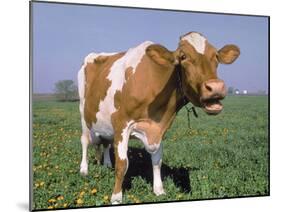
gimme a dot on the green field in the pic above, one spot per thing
(220, 156)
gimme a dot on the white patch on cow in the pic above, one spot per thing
(123, 145)
(116, 198)
(117, 77)
(197, 41)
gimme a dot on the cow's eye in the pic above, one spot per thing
(183, 57)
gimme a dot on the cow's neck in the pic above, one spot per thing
(182, 98)
(169, 98)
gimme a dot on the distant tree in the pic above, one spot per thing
(66, 90)
(230, 90)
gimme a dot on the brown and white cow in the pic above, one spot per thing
(138, 93)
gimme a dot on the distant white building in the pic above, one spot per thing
(245, 92)
(237, 92)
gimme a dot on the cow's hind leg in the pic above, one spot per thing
(106, 156)
(85, 140)
(96, 141)
(106, 143)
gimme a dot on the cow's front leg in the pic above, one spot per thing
(156, 159)
(121, 163)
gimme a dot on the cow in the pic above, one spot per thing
(137, 94)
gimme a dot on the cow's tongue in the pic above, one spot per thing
(213, 105)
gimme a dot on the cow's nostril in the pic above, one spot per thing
(208, 87)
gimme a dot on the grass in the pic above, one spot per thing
(220, 156)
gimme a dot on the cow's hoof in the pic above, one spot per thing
(159, 191)
(116, 198)
(84, 170)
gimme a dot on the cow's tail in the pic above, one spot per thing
(81, 82)
(81, 74)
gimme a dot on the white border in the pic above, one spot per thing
(14, 22)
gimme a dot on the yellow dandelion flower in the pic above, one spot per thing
(42, 183)
(56, 167)
(106, 198)
(137, 200)
(179, 196)
(94, 191)
(60, 197)
(81, 193)
(51, 201)
(79, 201)
(65, 205)
(50, 207)
(37, 185)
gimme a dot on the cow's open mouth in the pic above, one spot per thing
(212, 106)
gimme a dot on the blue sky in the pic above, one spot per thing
(64, 34)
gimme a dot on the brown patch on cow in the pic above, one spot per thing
(96, 77)
(152, 131)
(128, 73)
(159, 106)
(117, 100)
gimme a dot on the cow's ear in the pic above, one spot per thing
(160, 55)
(228, 54)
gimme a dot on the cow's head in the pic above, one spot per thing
(198, 60)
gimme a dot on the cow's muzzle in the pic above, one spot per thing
(212, 91)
